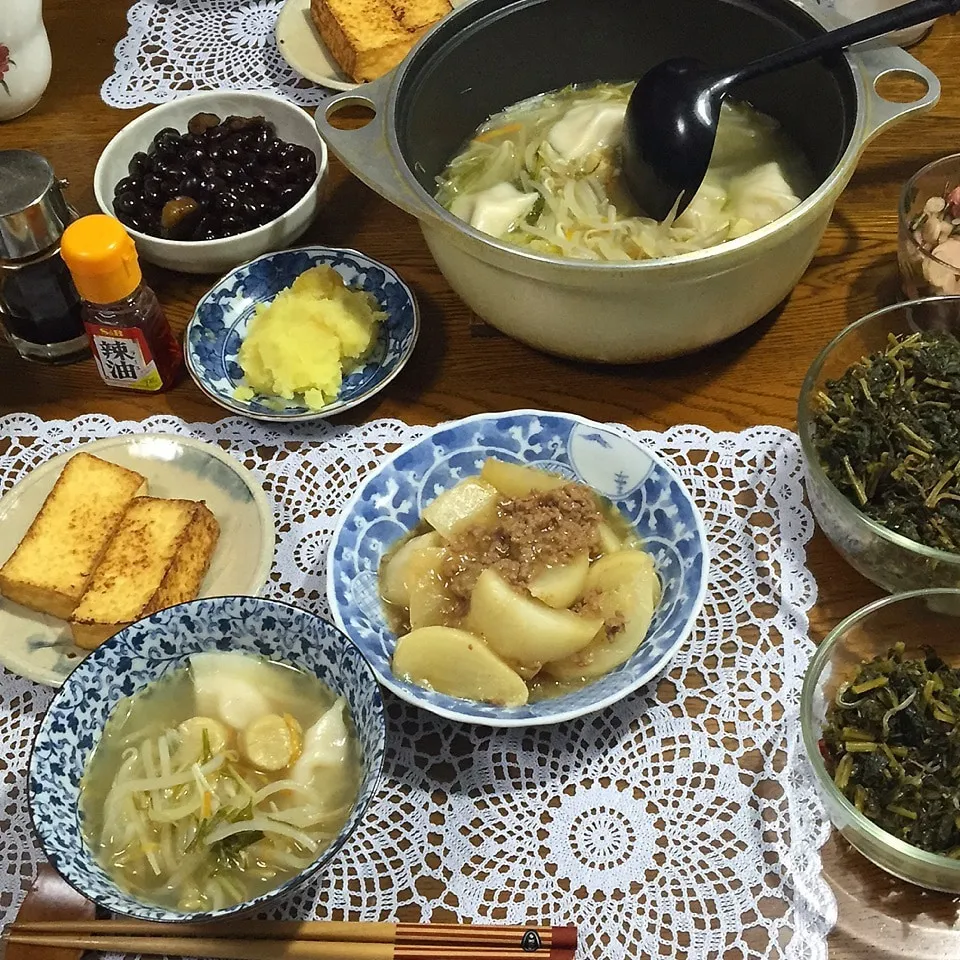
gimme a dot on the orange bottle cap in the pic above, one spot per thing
(101, 258)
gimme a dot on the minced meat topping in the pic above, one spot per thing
(541, 530)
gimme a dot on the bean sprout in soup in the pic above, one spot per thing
(545, 174)
(219, 782)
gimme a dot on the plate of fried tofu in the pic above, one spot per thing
(343, 43)
(100, 537)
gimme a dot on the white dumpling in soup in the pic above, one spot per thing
(587, 128)
(229, 687)
(758, 198)
(325, 744)
(706, 212)
(495, 210)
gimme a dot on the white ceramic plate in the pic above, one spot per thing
(300, 45)
(40, 647)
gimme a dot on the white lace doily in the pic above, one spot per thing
(679, 823)
(176, 47)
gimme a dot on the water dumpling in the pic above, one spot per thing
(758, 198)
(229, 687)
(326, 744)
(544, 174)
(707, 212)
(494, 210)
(585, 130)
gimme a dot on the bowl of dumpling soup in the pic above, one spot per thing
(500, 132)
(207, 760)
(518, 568)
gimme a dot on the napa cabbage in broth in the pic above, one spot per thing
(219, 782)
(544, 174)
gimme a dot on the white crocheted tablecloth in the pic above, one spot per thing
(679, 823)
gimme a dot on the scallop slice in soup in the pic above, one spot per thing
(458, 664)
(625, 590)
(520, 628)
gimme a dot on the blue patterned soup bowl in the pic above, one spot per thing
(223, 316)
(388, 504)
(145, 651)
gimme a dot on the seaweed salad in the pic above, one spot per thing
(892, 744)
(888, 437)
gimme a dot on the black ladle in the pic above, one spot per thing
(672, 117)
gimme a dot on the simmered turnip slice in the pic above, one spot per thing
(559, 586)
(522, 629)
(458, 664)
(626, 592)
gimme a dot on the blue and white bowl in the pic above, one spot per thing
(139, 655)
(223, 316)
(648, 494)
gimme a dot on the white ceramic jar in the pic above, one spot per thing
(24, 56)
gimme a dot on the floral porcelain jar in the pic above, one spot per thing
(24, 56)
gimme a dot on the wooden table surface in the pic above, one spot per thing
(463, 367)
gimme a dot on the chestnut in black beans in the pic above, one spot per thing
(179, 218)
(199, 123)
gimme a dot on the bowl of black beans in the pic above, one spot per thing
(213, 180)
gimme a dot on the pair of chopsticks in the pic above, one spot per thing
(294, 940)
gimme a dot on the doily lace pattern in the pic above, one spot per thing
(679, 823)
(176, 47)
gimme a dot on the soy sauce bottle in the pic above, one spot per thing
(129, 335)
(39, 306)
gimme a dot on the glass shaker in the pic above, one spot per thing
(39, 305)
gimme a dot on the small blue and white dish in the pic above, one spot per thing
(223, 316)
(388, 504)
(140, 654)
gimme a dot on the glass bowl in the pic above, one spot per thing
(922, 274)
(890, 560)
(918, 618)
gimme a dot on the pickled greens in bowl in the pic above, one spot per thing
(545, 174)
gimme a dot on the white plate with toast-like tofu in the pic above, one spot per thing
(161, 519)
(369, 48)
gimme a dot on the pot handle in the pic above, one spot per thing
(364, 151)
(881, 113)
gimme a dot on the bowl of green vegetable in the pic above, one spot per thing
(880, 713)
(879, 423)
